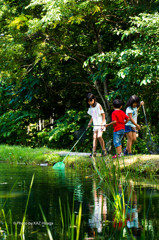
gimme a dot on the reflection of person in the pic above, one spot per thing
(132, 108)
(99, 212)
(132, 214)
(98, 118)
(126, 215)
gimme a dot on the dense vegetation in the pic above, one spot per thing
(53, 52)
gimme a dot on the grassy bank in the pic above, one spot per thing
(142, 164)
(27, 155)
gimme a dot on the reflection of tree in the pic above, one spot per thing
(98, 212)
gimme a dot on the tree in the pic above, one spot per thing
(53, 52)
(134, 68)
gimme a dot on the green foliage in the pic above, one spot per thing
(134, 66)
(53, 52)
(66, 124)
(13, 127)
(65, 128)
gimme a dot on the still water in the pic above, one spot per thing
(99, 219)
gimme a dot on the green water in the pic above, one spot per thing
(142, 221)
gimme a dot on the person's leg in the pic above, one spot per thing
(117, 144)
(133, 137)
(101, 141)
(122, 132)
(94, 141)
(119, 149)
(117, 141)
(129, 141)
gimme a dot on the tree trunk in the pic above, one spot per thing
(106, 110)
(107, 103)
(98, 38)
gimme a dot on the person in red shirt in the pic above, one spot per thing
(119, 118)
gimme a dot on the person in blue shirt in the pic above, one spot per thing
(131, 126)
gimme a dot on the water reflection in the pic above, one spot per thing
(130, 212)
(126, 214)
(133, 210)
(98, 212)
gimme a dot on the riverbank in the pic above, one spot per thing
(142, 164)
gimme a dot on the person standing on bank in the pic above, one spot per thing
(119, 119)
(132, 108)
(98, 118)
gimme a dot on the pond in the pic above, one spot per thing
(135, 217)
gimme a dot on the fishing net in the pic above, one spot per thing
(59, 166)
(107, 135)
(79, 133)
(152, 147)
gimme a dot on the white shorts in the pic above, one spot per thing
(98, 129)
(98, 133)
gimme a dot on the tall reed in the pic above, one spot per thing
(46, 224)
(70, 222)
(26, 207)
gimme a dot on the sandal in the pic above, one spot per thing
(94, 154)
(104, 153)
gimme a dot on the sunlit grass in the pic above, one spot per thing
(146, 164)
(19, 154)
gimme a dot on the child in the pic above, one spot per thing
(98, 119)
(132, 108)
(119, 118)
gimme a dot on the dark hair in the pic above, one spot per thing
(89, 97)
(133, 99)
(117, 103)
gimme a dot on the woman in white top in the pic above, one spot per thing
(98, 118)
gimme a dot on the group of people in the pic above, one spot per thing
(123, 123)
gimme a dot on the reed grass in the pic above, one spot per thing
(70, 222)
(112, 175)
(46, 224)
(8, 220)
(22, 230)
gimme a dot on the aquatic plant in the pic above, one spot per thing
(71, 223)
(26, 207)
(8, 221)
(109, 172)
(46, 224)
